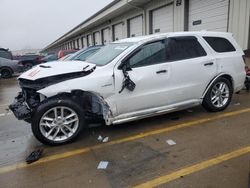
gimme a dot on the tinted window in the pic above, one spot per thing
(180, 48)
(149, 54)
(220, 44)
(5, 54)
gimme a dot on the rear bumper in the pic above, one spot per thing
(20, 108)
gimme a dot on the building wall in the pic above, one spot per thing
(239, 15)
(238, 22)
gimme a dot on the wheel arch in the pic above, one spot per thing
(5, 67)
(91, 102)
(222, 75)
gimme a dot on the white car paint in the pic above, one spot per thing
(182, 85)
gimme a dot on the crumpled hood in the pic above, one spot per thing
(56, 68)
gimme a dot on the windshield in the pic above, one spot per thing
(108, 53)
(84, 54)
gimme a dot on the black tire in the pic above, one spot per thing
(6, 73)
(28, 66)
(207, 101)
(49, 104)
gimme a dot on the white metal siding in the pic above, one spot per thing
(239, 22)
(85, 42)
(118, 31)
(89, 38)
(97, 38)
(163, 19)
(106, 36)
(75, 43)
(209, 15)
(136, 26)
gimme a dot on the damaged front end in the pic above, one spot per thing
(24, 103)
(29, 99)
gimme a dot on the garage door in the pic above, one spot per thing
(118, 31)
(97, 38)
(106, 36)
(135, 26)
(89, 40)
(209, 15)
(163, 19)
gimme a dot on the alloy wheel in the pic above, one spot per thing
(59, 123)
(220, 94)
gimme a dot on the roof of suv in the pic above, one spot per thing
(156, 36)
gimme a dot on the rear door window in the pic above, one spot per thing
(181, 48)
(219, 44)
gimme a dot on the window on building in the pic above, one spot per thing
(180, 48)
(220, 44)
(149, 54)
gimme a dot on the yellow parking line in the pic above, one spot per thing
(121, 140)
(194, 168)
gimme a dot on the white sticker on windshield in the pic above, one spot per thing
(120, 47)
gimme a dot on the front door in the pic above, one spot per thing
(150, 73)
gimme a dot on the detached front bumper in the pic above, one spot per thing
(20, 108)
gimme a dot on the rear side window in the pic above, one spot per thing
(5, 54)
(219, 44)
(181, 48)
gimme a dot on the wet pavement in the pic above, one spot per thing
(137, 152)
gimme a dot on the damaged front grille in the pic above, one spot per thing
(25, 102)
(32, 98)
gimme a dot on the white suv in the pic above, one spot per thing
(128, 80)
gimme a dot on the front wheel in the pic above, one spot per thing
(218, 96)
(57, 121)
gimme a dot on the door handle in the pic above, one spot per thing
(161, 71)
(208, 64)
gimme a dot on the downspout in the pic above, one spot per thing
(144, 17)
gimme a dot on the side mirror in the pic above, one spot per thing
(124, 66)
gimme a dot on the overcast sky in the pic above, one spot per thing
(30, 24)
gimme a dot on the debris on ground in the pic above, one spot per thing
(103, 139)
(170, 142)
(237, 104)
(99, 138)
(106, 139)
(103, 165)
(34, 156)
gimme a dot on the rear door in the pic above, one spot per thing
(192, 68)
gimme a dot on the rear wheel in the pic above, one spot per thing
(218, 96)
(6, 73)
(58, 121)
